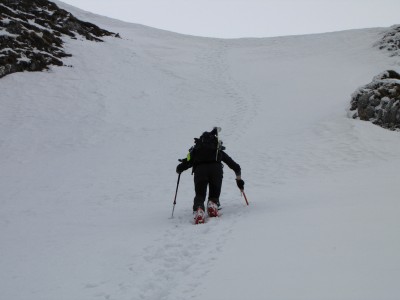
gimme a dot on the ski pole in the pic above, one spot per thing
(245, 198)
(176, 193)
(216, 130)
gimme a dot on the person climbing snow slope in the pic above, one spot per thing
(205, 158)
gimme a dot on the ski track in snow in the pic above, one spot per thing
(182, 254)
(240, 106)
(184, 250)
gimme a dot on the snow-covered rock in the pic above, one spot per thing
(31, 35)
(390, 40)
(379, 101)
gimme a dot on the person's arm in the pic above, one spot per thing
(231, 163)
(186, 163)
(235, 167)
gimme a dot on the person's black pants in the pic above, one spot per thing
(207, 174)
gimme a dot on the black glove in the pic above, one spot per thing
(240, 184)
(180, 168)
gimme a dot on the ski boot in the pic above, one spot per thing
(212, 209)
(199, 216)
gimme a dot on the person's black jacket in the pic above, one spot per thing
(192, 162)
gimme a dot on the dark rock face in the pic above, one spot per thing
(379, 101)
(390, 41)
(31, 32)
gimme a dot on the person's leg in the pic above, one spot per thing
(215, 183)
(200, 186)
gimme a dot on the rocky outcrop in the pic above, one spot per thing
(390, 41)
(31, 34)
(379, 101)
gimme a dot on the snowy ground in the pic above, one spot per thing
(88, 156)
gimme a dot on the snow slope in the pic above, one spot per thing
(88, 156)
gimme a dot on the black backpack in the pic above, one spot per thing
(207, 148)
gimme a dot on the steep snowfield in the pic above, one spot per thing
(87, 171)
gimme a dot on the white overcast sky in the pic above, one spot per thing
(248, 18)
